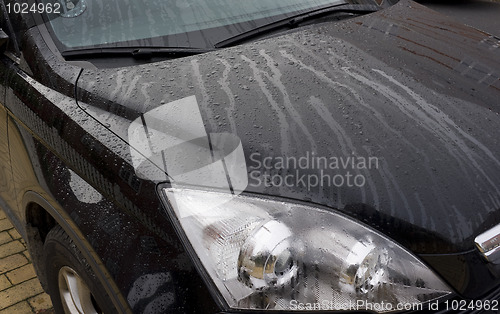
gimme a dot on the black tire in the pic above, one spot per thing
(64, 261)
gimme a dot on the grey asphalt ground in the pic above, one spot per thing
(480, 14)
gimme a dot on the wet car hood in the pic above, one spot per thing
(404, 100)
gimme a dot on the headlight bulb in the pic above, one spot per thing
(365, 267)
(267, 258)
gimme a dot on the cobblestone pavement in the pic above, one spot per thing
(20, 290)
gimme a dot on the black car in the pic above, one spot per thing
(239, 156)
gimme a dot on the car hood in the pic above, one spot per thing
(405, 101)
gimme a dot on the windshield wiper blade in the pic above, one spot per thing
(294, 21)
(135, 52)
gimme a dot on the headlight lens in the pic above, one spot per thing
(267, 254)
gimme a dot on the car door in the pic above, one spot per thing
(23, 99)
(8, 54)
(5, 174)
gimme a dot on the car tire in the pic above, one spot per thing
(73, 286)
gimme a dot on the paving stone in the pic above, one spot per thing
(19, 308)
(21, 274)
(27, 254)
(40, 302)
(11, 248)
(5, 225)
(52, 311)
(5, 237)
(4, 283)
(12, 262)
(20, 292)
(14, 234)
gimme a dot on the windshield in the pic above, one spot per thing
(168, 23)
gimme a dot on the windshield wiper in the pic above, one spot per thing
(177, 52)
(135, 52)
(296, 20)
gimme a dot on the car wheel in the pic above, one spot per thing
(73, 287)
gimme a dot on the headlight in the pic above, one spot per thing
(277, 255)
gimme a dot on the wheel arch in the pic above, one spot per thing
(41, 217)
